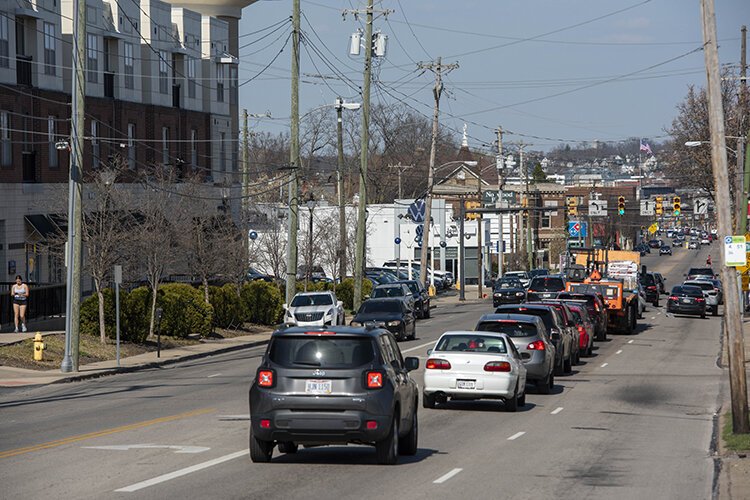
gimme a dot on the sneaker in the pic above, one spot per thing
(16, 330)
(23, 328)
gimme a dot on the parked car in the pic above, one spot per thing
(522, 276)
(508, 291)
(390, 313)
(397, 289)
(334, 385)
(255, 275)
(559, 333)
(475, 365)
(316, 273)
(709, 293)
(585, 328)
(719, 290)
(665, 250)
(421, 298)
(596, 308)
(650, 287)
(660, 280)
(314, 309)
(545, 287)
(532, 340)
(687, 300)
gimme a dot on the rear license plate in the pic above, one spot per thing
(318, 386)
(686, 301)
(466, 384)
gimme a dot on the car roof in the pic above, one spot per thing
(472, 332)
(320, 292)
(365, 331)
(520, 318)
(527, 305)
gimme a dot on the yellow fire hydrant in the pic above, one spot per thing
(39, 347)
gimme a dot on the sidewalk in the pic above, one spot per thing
(19, 377)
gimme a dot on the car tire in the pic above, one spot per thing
(522, 399)
(715, 311)
(568, 365)
(428, 401)
(427, 314)
(656, 302)
(387, 449)
(511, 404)
(409, 444)
(288, 447)
(559, 368)
(544, 385)
(703, 315)
(260, 451)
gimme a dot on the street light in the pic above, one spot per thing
(310, 206)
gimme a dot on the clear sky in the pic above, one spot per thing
(545, 70)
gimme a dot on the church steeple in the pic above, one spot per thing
(463, 153)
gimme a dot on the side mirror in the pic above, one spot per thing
(283, 305)
(367, 297)
(339, 303)
(411, 363)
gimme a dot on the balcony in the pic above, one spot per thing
(109, 84)
(23, 70)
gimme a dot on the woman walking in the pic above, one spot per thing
(20, 294)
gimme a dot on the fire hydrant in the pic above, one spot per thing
(39, 347)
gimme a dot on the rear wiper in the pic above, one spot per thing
(307, 363)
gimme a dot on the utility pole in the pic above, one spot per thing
(529, 225)
(480, 255)
(75, 200)
(501, 216)
(743, 153)
(400, 169)
(340, 187)
(245, 185)
(294, 164)
(438, 68)
(732, 312)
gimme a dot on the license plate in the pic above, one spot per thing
(466, 384)
(318, 386)
(686, 301)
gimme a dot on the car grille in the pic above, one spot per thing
(315, 316)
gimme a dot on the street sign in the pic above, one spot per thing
(598, 208)
(648, 207)
(577, 229)
(416, 211)
(700, 206)
(734, 251)
(653, 228)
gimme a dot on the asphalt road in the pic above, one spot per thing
(635, 420)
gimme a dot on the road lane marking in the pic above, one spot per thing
(630, 341)
(604, 364)
(149, 446)
(556, 410)
(246, 416)
(619, 352)
(653, 317)
(418, 347)
(181, 472)
(447, 476)
(214, 375)
(516, 436)
(106, 432)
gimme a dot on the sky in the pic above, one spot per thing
(549, 72)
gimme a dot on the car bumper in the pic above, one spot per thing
(498, 301)
(686, 309)
(320, 427)
(321, 322)
(496, 385)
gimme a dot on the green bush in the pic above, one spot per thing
(263, 302)
(90, 314)
(229, 310)
(345, 291)
(135, 314)
(185, 311)
(314, 286)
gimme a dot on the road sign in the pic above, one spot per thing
(577, 229)
(653, 228)
(734, 251)
(648, 207)
(700, 206)
(416, 211)
(598, 208)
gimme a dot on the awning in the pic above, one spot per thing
(42, 225)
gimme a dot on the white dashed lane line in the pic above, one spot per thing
(556, 410)
(214, 375)
(447, 476)
(516, 436)
(604, 364)
(630, 341)
(619, 352)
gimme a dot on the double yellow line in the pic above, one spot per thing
(106, 432)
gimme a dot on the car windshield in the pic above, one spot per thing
(508, 284)
(546, 284)
(510, 327)
(688, 291)
(538, 272)
(472, 343)
(332, 352)
(377, 306)
(387, 291)
(703, 285)
(321, 299)
(413, 287)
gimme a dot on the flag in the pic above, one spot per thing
(645, 147)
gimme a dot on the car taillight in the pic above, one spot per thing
(265, 378)
(597, 306)
(265, 424)
(581, 330)
(700, 299)
(374, 380)
(673, 297)
(437, 364)
(537, 345)
(651, 287)
(497, 366)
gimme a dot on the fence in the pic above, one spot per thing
(44, 301)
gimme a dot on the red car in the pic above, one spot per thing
(585, 327)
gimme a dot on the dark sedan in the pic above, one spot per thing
(508, 291)
(665, 250)
(390, 313)
(421, 298)
(687, 300)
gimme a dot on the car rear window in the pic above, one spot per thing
(545, 314)
(689, 291)
(545, 284)
(701, 271)
(509, 327)
(472, 343)
(590, 301)
(648, 279)
(322, 299)
(387, 291)
(380, 306)
(703, 285)
(325, 352)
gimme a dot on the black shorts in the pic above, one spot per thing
(19, 302)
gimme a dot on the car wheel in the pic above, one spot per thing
(522, 399)
(703, 315)
(413, 335)
(656, 302)
(511, 404)
(544, 385)
(427, 314)
(387, 449)
(260, 451)
(408, 445)
(715, 311)
(559, 368)
(428, 400)
(288, 447)
(568, 365)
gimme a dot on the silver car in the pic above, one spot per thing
(314, 309)
(529, 335)
(710, 293)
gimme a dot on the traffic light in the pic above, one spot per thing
(659, 205)
(572, 203)
(524, 204)
(471, 205)
(621, 205)
(676, 206)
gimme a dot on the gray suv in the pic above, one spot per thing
(339, 384)
(530, 337)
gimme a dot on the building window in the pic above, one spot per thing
(6, 148)
(220, 82)
(128, 51)
(4, 42)
(545, 220)
(53, 160)
(92, 59)
(50, 57)
(131, 146)
(191, 77)
(163, 72)
(165, 145)
(95, 153)
(222, 153)
(193, 148)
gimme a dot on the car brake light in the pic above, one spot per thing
(265, 424)
(374, 380)
(596, 304)
(438, 364)
(673, 297)
(581, 329)
(265, 378)
(325, 332)
(497, 366)
(537, 345)
(371, 425)
(651, 287)
(700, 299)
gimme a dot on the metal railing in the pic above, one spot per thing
(44, 302)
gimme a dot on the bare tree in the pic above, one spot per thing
(268, 252)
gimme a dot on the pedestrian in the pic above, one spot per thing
(708, 261)
(20, 293)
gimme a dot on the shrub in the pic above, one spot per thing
(185, 311)
(345, 291)
(314, 286)
(90, 314)
(229, 310)
(135, 314)
(263, 302)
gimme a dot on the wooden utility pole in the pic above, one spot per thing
(480, 254)
(400, 169)
(245, 185)
(531, 213)
(732, 312)
(743, 151)
(501, 216)
(294, 164)
(340, 187)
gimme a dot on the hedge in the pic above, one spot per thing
(134, 315)
(263, 302)
(184, 311)
(345, 291)
(229, 310)
(90, 314)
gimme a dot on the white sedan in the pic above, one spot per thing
(469, 365)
